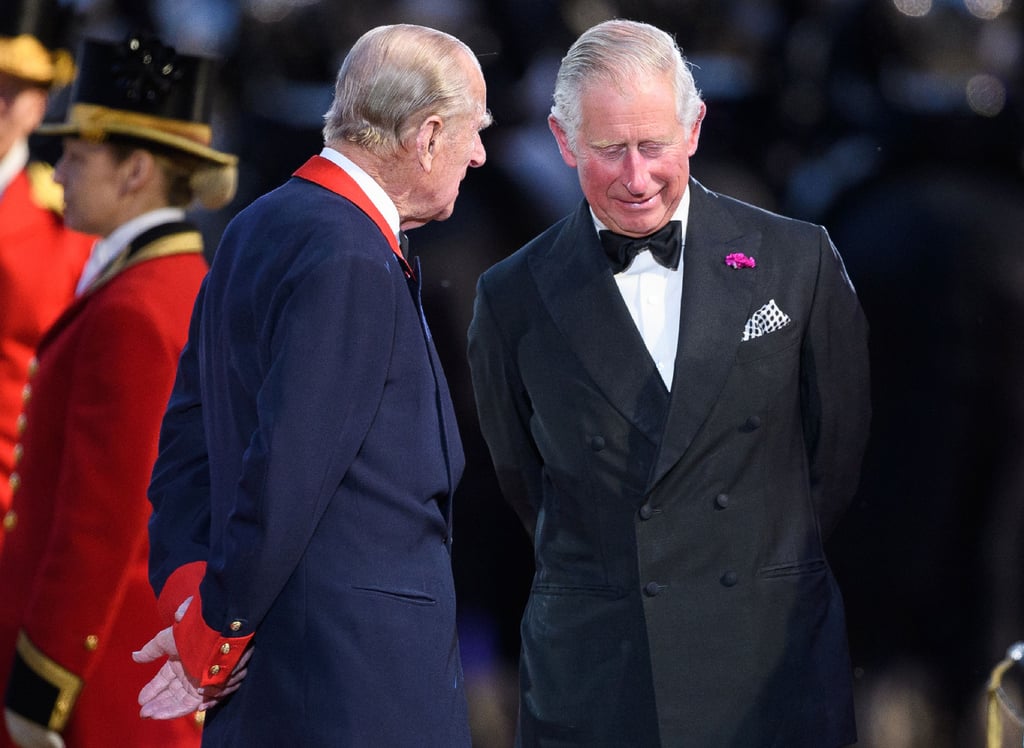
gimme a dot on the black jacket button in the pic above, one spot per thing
(597, 443)
(722, 501)
(652, 589)
(646, 512)
(730, 578)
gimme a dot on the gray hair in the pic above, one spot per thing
(392, 78)
(616, 53)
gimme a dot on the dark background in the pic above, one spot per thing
(895, 123)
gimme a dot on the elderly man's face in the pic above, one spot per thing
(632, 154)
(457, 148)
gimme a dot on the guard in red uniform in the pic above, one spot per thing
(40, 259)
(75, 599)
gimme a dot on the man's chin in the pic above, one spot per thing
(71, 221)
(445, 214)
(639, 222)
(638, 228)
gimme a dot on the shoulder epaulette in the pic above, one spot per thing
(45, 192)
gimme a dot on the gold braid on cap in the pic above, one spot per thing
(95, 121)
(25, 57)
(63, 68)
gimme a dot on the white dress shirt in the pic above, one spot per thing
(654, 294)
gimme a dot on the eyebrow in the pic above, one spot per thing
(605, 144)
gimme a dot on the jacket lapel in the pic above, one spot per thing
(591, 315)
(715, 306)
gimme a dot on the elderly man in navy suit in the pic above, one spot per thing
(678, 427)
(301, 499)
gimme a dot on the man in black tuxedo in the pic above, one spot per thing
(678, 431)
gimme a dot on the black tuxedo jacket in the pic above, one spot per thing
(681, 595)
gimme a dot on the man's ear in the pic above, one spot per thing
(35, 102)
(137, 170)
(694, 135)
(563, 141)
(428, 141)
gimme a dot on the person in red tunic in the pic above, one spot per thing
(75, 599)
(40, 258)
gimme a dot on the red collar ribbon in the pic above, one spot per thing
(329, 175)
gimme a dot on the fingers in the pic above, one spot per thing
(180, 612)
(159, 683)
(240, 670)
(169, 706)
(244, 659)
(169, 694)
(161, 645)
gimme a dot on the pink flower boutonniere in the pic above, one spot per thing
(739, 260)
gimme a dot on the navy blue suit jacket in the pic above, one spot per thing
(308, 455)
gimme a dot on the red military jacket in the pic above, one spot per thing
(75, 599)
(40, 263)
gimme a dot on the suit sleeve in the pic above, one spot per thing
(504, 411)
(179, 525)
(835, 388)
(179, 488)
(329, 353)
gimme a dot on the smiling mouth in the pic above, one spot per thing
(638, 204)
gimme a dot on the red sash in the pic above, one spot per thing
(329, 175)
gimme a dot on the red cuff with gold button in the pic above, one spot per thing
(207, 656)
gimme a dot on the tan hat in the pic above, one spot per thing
(144, 90)
(30, 42)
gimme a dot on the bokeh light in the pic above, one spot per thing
(986, 95)
(914, 8)
(987, 9)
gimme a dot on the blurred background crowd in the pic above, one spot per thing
(899, 124)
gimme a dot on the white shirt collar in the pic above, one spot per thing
(13, 163)
(374, 191)
(110, 246)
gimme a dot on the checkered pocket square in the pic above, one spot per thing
(768, 318)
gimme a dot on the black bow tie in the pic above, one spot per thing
(665, 244)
